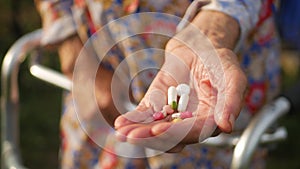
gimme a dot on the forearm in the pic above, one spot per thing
(221, 29)
(68, 51)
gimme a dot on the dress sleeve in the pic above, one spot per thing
(246, 12)
(57, 20)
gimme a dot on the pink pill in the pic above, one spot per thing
(158, 116)
(186, 114)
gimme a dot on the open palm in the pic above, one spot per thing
(216, 97)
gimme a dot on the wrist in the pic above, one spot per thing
(221, 29)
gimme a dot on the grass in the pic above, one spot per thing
(39, 121)
(286, 154)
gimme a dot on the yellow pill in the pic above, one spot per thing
(176, 120)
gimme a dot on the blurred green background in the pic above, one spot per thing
(41, 102)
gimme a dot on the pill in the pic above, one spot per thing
(183, 101)
(175, 115)
(168, 109)
(186, 114)
(183, 115)
(183, 89)
(172, 95)
(158, 116)
(174, 105)
(176, 120)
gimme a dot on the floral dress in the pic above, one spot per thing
(257, 49)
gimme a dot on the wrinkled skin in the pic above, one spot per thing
(138, 126)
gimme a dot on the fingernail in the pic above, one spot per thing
(202, 138)
(121, 137)
(232, 120)
(117, 123)
(121, 121)
(218, 117)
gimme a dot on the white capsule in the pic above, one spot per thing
(172, 95)
(183, 101)
(183, 89)
(175, 115)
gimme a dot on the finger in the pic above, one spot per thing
(187, 131)
(156, 96)
(140, 115)
(234, 98)
(233, 95)
(143, 136)
(154, 100)
(122, 133)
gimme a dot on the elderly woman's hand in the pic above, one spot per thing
(217, 89)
